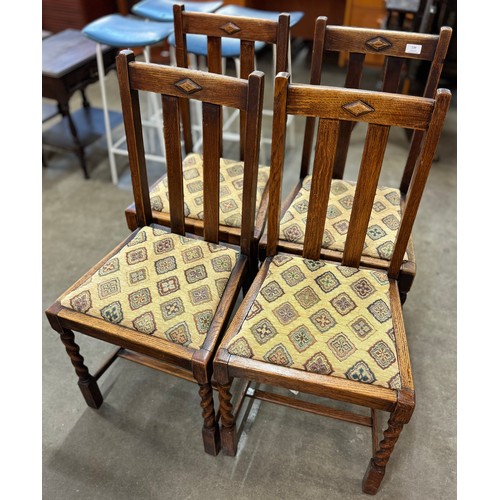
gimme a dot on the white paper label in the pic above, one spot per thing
(412, 48)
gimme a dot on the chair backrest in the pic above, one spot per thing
(398, 47)
(334, 106)
(245, 29)
(176, 84)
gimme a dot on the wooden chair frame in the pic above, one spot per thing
(248, 31)
(214, 91)
(327, 104)
(359, 42)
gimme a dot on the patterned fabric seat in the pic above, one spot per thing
(382, 229)
(231, 190)
(159, 284)
(324, 318)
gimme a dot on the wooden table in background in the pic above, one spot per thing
(69, 65)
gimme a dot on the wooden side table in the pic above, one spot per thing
(69, 65)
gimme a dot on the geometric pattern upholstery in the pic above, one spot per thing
(382, 228)
(159, 284)
(324, 318)
(231, 190)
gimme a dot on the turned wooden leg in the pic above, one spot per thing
(210, 432)
(228, 422)
(86, 381)
(376, 468)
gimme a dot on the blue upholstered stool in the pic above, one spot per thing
(122, 32)
(161, 10)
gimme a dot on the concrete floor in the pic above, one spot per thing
(145, 440)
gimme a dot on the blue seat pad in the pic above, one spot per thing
(197, 44)
(127, 31)
(236, 10)
(162, 10)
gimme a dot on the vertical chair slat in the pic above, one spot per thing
(315, 79)
(417, 185)
(211, 170)
(277, 158)
(354, 70)
(214, 59)
(320, 187)
(416, 141)
(182, 59)
(135, 142)
(171, 132)
(352, 81)
(251, 162)
(282, 41)
(247, 65)
(392, 74)
(214, 63)
(366, 185)
(247, 58)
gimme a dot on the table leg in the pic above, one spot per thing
(64, 110)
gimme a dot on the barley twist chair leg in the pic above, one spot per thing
(228, 421)
(86, 382)
(210, 431)
(376, 468)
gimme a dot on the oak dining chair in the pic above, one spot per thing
(164, 296)
(398, 48)
(245, 33)
(333, 330)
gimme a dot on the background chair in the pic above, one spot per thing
(162, 296)
(195, 44)
(322, 328)
(244, 33)
(397, 47)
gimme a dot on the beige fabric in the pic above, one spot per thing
(382, 228)
(159, 284)
(231, 190)
(324, 318)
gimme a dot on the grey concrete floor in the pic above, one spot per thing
(145, 440)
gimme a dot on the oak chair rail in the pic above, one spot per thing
(242, 28)
(332, 106)
(161, 79)
(189, 361)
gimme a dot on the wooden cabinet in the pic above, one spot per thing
(58, 15)
(332, 9)
(365, 14)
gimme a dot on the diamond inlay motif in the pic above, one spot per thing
(358, 108)
(379, 43)
(230, 28)
(188, 86)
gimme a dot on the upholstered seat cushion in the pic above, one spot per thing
(324, 318)
(382, 228)
(159, 284)
(231, 190)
